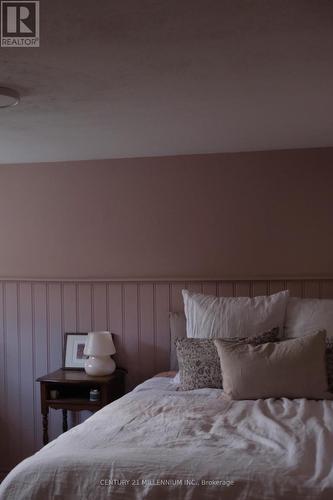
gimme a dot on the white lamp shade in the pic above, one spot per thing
(99, 344)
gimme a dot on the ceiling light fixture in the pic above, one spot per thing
(8, 97)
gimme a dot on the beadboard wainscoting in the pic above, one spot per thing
(36, 314)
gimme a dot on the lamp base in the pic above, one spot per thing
(97, 366)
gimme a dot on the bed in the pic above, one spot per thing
(159, 441)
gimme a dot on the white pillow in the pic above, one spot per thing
(224, 317)
(305, 316)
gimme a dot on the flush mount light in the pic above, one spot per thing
(8, 97)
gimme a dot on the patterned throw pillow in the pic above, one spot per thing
(199, 362)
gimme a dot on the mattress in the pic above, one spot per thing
(158, 442)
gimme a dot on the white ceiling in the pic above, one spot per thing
(154, 77)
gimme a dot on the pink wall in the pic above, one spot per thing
(211, 216)
(188, 216)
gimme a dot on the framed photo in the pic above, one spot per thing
(73, 351)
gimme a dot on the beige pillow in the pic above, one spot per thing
(293, 368)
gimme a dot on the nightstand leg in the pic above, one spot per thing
(64, 421)
(45, 428)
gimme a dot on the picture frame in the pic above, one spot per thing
(73, 358)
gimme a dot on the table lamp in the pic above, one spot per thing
(98, 348)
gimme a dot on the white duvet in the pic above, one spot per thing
(159, 443)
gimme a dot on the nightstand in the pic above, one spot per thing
(71, 391)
